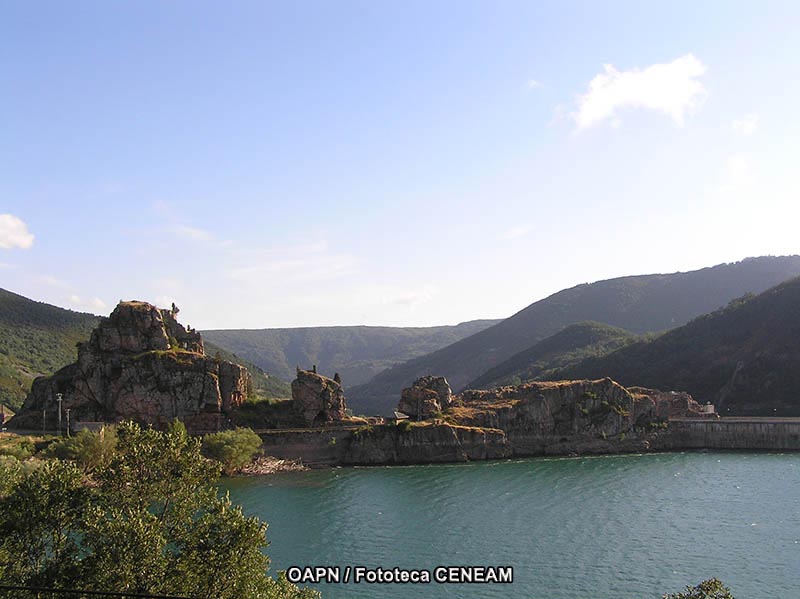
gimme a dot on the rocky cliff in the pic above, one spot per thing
(428, 396)
(140, 364)
(318, 399)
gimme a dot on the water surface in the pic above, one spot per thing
(621, 527)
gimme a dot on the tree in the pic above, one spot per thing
(233, 449)
(708, 589)
(149, 521)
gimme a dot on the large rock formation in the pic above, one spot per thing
(318, 399)
(566, 416)
(140, 364)
(426, 397)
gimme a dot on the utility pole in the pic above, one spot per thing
(44, 421)
(59, 399)
(67, 410)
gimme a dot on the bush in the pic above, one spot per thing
(404, 425)
(234, 449)
(18, 447)
(708, 589)
(89, 450)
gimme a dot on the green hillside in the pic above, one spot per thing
(264, 385)
(567, 347)
(744, 358)
(35, 339)
(357, 353)
(639, 304)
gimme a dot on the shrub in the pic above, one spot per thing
(233, 449)
(708, 589)
(362, 430)
(89, 450)
(404, 425)
(18, 447)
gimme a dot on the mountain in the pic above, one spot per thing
(640, 304)
(35, 339)
(744, 358)
(569, 346)
(357, 353)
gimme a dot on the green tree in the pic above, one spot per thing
(149, 521)
(233, 449)
(708, 589)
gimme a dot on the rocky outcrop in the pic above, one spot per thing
(428, 395)
(669, 404)
(318, 399)
(550, 417)
(140, 364)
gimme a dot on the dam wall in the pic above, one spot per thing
(386, 444)
(732, 433)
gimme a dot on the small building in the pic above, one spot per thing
(708, 410)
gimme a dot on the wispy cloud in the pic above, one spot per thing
(534, 83)
(307, 263)
(89, 304)
(14, 233)
(516, 232)
(747, 125)
(191, 233)
(672, 88)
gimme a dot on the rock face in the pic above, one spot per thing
(427, 396)
(670, 404)
(140, 364)
(430, 443)
(318, 399)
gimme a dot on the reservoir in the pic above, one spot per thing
(617, 527)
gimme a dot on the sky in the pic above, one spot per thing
(268, 164)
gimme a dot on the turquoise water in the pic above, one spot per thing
(620, 527)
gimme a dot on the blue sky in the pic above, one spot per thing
(406, 163)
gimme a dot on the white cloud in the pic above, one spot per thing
(14, 233)
(747, 125)
(191, 233)
(515, 232)
(737, 173)
(533, 84)
(672, 88)
(89, 304)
